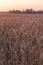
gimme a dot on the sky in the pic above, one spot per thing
(6, 5)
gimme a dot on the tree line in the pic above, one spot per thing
(27, 11)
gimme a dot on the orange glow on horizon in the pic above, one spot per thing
(6, 5)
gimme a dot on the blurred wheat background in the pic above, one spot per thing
(21, 39)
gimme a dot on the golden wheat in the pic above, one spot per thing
(21, 39)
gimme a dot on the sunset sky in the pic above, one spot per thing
(6, 5)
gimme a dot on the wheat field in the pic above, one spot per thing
(21, 39)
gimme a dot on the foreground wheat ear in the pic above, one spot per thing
(21, 39)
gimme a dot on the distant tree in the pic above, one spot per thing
(26, 11)
(13, 11)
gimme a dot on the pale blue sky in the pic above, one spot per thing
(6, 5)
